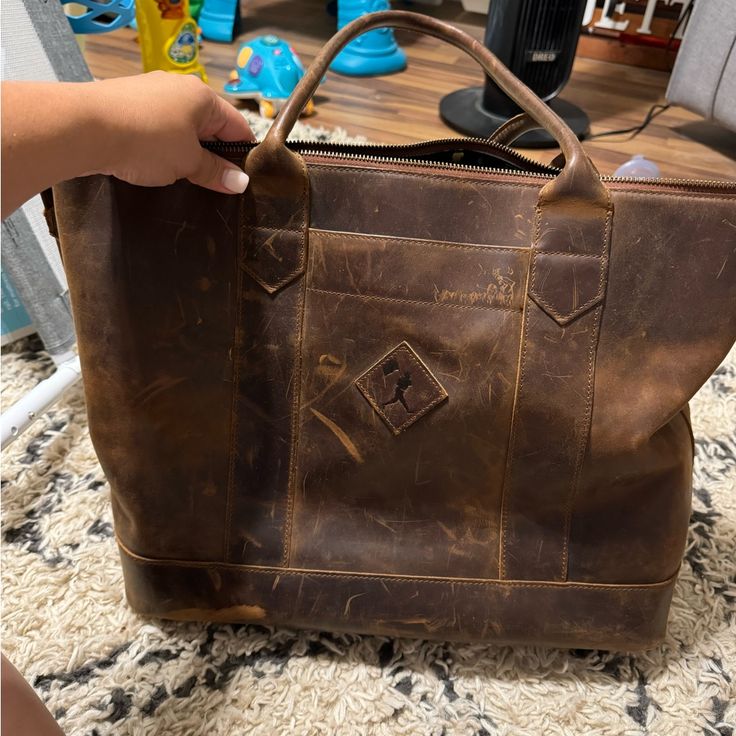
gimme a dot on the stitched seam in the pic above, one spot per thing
(432, 381)
(276, 285)
(274, 229)
(397, 430)
(582, 307)
(642, 587)
(450, 305)
(516, 185)
(298, 268)
(568, 315)
(506, 490)
(234, 403)
(583, 442)
(508, 129)
(679, 195)
(293, 455)
(434, 176)
(362, 237)
(296, 401)
(364, 391)
(572, 255)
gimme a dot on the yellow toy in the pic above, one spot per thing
(168, 37)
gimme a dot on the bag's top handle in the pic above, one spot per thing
(579, 178)
(573, 213)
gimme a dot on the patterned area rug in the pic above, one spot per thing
(103, 670)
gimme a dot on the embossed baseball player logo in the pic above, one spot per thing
(400, 377)
(403, 382)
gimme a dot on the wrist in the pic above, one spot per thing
(98, 137)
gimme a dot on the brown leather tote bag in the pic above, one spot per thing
(433, 390)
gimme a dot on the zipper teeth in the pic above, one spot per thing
(428, 164)
(303, 147)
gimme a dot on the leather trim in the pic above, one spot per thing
(354, 575)
(552, 412)
(585, 615)
(275, 229)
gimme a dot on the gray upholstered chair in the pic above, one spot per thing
(704, 77)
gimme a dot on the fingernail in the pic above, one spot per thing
(235, 180)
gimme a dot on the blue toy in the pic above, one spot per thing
(219, 20)
(373, 53)
(267, 70)
(101, 17)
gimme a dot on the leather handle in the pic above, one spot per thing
(513, 128)
(579, 179)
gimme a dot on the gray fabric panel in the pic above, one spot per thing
(45, 299)
(697, 81)
(38, 44)
(62, 49)
(33, 209)
(23, 57)
(724, 109)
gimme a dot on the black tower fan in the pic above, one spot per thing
(536, 40)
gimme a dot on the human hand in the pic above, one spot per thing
(151, 126)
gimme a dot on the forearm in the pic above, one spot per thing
(145, 130)
(50, 132)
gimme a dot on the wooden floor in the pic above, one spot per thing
(403, 107)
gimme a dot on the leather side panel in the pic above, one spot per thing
(631, 514)
(670, 312)
(152, 278)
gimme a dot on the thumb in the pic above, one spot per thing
(213, 172)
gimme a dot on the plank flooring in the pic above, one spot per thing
(404, 107)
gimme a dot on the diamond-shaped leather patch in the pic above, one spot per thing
(401, 388)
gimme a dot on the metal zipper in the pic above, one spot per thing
(323, 148)
(426, 164)
(338, 151)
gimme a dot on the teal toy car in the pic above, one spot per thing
(267, 69)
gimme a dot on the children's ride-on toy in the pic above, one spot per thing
(267, 70)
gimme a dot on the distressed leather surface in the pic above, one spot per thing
(401, 399)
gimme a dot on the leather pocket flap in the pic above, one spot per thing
(273, 257)
(566, 285)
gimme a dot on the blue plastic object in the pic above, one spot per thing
(373, 53)
(267, 69)
(219, 20)
(101, 17)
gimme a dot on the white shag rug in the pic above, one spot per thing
(302, 131)
(102, 670)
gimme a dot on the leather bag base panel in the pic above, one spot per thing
(576, 615)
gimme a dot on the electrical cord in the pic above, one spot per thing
(654, 111)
